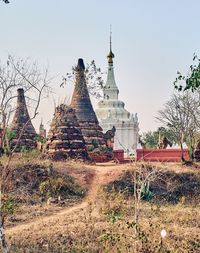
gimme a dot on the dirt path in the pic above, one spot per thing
(102, 176)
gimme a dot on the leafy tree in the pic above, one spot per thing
(190, 81)
(181, 114)
(151, 139)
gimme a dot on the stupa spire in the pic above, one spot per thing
(110, 90)
(110, 55)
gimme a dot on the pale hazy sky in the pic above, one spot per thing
(152, 39)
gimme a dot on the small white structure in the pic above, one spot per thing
(111, 112)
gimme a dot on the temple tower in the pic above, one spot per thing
(22, 125)
(111, 112)
(65, 139)
(42, 131)
(89, 125)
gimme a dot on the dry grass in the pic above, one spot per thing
(88, 226)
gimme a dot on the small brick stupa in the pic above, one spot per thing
(89, 125)
(22, 125)
(65, 139)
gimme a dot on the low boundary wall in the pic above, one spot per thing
(160, 155)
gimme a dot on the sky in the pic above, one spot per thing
(152, 40)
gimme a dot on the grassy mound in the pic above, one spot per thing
(35, 183)
(167, 186)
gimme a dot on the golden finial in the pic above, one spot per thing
(110, 55)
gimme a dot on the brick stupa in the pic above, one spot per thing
(89, 125)
(22, 125)
(65, 139)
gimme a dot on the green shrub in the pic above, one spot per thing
(24, 149)
(146, 193)
(8, 205)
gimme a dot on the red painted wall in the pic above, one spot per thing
(119, 155)
(160, 155)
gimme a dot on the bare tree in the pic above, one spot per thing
(13, 75)
(181, 114)
(93, 77)
(143, 176)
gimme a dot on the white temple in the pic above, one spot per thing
(111, 112)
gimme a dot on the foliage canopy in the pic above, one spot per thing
(191, 81)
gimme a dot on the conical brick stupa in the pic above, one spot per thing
(89, 125)
(24, 132)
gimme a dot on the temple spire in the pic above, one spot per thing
(110, 55)
(41, 123)
(110, 89)
(110, 40)
(42, 130)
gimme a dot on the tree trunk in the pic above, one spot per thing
(3, 132)
(2, 231)
(182, 153)
(136, 212)
(192, 153)
(2, 237)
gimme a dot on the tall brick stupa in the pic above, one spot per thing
(89, 125)
(22, 126)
